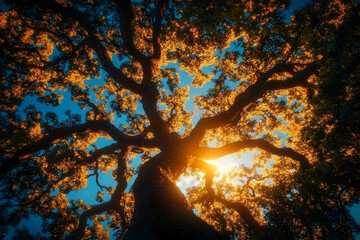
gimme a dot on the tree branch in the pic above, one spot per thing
(209, 153)
(64, 132)
(113, 203)
(121, 179)
(149, 90)
(251, 94)
(244, 213)
(157, 29)
(100, 152)
(209, 173)
(95, 43)
(127, 33)
(106, 206)
(299, 79)
(97, 177)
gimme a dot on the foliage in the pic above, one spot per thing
(177, 85)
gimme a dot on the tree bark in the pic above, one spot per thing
(161, 210)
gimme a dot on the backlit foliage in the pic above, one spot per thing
(153, 93)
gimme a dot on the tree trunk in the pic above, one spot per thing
(161, 210)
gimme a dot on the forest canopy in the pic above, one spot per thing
(158, 96)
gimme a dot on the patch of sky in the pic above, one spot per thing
(66, 104)
(355, 213)
(270, 162)
(94, 82)
(247, 158)
(261, 135)
(238, 181)
(269, 181)
(259, 170)
(280, 99)
(4, 7)
(283, 137)
(88, 194)
(207, 69)
(119, 62)
(233, 46)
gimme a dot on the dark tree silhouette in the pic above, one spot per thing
(268, 76)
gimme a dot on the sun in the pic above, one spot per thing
(225, 164)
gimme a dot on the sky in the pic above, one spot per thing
(88, 194)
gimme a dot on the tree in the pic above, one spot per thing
(268, 76)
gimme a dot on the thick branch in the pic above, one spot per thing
(121, 179)
(210, 195)
(251, 94)
(95, 43)
(149, 90)
(157, 29)
(149, 102)
(244, 213)
(102, 151)
(209, 173)
(209, 153)
(95, 210)
(299, 79)
(127, 33)
(61, 133)
(113, 203)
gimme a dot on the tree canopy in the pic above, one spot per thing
(175, 86)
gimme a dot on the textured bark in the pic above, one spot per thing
(161, 210)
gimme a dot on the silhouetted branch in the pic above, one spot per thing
(251, 94)
(209, 173)
(64, 132)
(157, 29)
(96, 174)
(211, 153)
(100, 152)
(127, 34)
(113, 203)
(120, 188)
(95, 43)
(149, 90)
(244, 213)
(95, 210)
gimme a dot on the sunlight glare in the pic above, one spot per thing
(225, 164)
